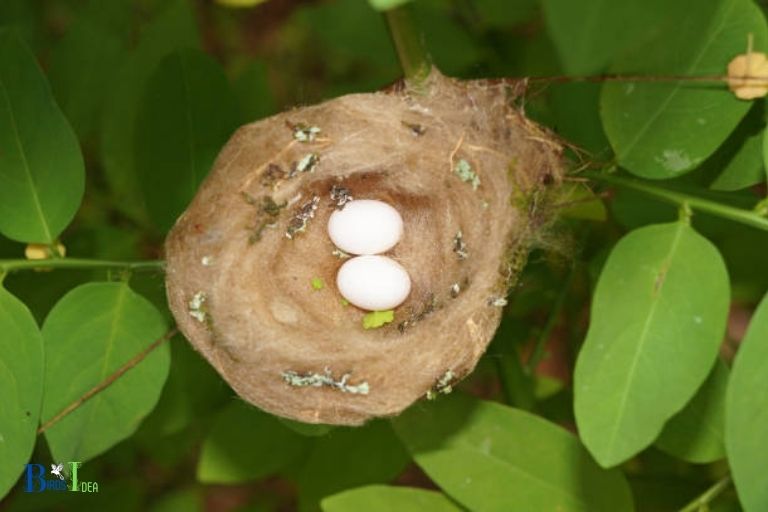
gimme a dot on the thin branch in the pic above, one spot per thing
(79, 263)
(701, 502)
(409, 44)
(108, 381)
(752, 80)
(747, 217)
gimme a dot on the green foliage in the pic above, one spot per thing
(746, 427)
(696, 433)
(658, 316)
(93, 331)
(488, 456)
(663, 130)
(173, 28)
(42, 172)
(346, 458)
(382, 498)
(143, 94)
(246, 444)
(385, 5)
(186, 115)
(21, 379)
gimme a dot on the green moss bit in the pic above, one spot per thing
(268, 213)
(318, 283)
(300, 220)
(376, 319)
(304, 133)
(442, 385)
(459, 246)
(465, 173)
(317, 380)
(197, 309)
(340, 196)
(340, 254)
(344, 302)
(306, 164)
(271, 175)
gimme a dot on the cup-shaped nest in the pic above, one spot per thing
(468, 173)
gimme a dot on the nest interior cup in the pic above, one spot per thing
(462, 166)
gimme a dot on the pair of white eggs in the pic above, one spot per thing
(367, 228)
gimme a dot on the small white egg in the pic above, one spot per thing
(365, 226)
(375, 283)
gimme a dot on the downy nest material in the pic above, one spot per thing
(468, 173)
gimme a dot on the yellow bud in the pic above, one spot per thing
(748, 75)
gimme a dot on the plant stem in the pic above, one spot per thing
(13, 265)
(101, 386)
(701, 502)
(747, 217)
(409, 44)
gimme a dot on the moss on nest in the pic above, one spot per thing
(394, 146)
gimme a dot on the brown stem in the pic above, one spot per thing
(108, 381)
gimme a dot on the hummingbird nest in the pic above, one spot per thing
(251, 269)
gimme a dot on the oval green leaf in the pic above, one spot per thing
(746, 419)
(490, 457)
(41, 169)
(384, 498)
(745, 168)
(91, 333)
(385, 5)
(662, 130)
(697, 433)
(246, 444)
(173, 28)
(658, 317)
(21, 386)
(83, 63)
(589, 35)
(186, 115)
(349, 457)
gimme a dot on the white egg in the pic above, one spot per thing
(375, 283)
(365, 226)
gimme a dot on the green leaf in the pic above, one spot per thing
(488, 457)
(696, 434)
(186, 115)
(83, 64)
(41, 171)
(246, 444)
(307, 429)
(765, 151)
(589, 35)
(253, 91)
(383, 498)
(349, 457)
(658, 317)
(193, 390)
(746, 419)
(662, 130)
(173, 28)
(385, 5)
(92, 332)
(21, 386)
(745, 167)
